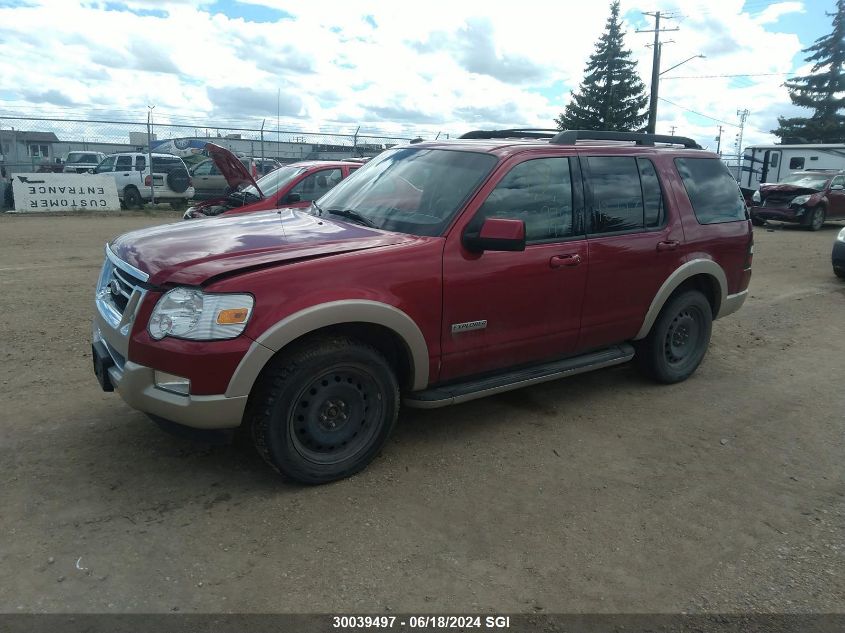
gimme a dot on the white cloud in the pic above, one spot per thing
(774, 12)
(439, 66)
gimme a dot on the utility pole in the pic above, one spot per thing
(742, 114)
(150, 151)
(672, 131)
(718, 140)
(655, 67)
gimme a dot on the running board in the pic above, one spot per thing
(479, 388)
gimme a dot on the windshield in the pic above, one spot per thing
(809, 181)
(274, 181)
(410, 190)
(82, 158)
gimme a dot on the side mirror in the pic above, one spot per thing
(291, 198)
(837, 188)
(497, 234)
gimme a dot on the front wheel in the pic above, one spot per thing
(815, 219)
(757, 221)
(679, 338)
(132, 198)
(324, 411)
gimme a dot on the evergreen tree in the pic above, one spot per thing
(821, 90)
(611, 96)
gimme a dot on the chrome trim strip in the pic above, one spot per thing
(129, 268)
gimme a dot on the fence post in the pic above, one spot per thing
(262, 140)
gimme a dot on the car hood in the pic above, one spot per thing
(194, 252)
(231, 167)
(784, 188)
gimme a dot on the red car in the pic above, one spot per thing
(442, 272)
(806, 197)
(295, 185)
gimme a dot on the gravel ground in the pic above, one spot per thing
(601, 493)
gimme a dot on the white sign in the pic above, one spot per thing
(64, 192)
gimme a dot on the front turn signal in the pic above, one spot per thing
(232, 316)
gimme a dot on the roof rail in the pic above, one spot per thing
(570, 137)
(515, 133)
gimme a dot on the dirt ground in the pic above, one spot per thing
(600, 493)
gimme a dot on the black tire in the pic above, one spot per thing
(679, 338)
(815, 218)
(323, 411)
(132, 198)
(178, 180)
(757, 221)
(839, 271)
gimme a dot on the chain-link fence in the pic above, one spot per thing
(42, 144)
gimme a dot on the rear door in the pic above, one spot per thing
(503, 309)
(836, 198)
(635, 242)
(123, 172)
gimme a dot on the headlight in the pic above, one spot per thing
(193, 314)
(841, 236)
(756, 196)
(799, 200)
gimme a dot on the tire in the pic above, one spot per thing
(839, 272)
(815, 219)
(757, 221)
(324, 411)
(178, 180)
(679, 338)
(132, 198)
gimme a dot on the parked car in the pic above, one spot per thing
(81, 162)
(808, 198)
(838, 256)
(55, 166)
(210, 183)
(132, 174)
(294, 185)
(441, 272)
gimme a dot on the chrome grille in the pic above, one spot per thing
(119, 290)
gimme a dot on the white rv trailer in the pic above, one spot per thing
(773, 163)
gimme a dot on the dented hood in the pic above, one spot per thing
(193, 252)
(231, 167)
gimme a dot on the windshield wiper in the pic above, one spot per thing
(351, 214)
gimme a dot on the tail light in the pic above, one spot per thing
(148, 181)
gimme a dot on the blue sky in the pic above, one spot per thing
(390, 67)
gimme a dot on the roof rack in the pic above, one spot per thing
(570, 137)
(515, 133)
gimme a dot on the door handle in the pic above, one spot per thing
(669, 245)
(561, 261)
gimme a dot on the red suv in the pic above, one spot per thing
(294, 185)
(443, 272)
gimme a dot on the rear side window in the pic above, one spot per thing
(712, 190)
(123, 162)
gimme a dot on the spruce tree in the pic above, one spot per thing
(820, 91)
(611, 95)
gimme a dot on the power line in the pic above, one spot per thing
(720, 76)
(698, 113)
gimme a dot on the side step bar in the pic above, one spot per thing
(456, 393)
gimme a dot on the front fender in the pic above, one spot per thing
(324, 315)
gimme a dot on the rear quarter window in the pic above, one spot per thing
(712, 191)
(166, 165)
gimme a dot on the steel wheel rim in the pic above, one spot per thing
(818, 219)
(334, 417)
(684, 336)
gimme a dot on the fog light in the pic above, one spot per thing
(171, 383)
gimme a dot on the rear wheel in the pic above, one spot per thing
(132, 198)
(815, 219)
(324, 411)
(679, 338)
(757, 221)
